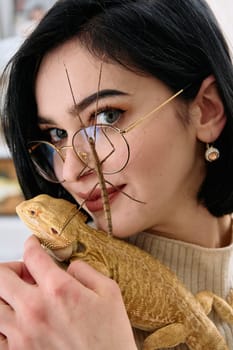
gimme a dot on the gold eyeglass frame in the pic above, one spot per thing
(83, 155)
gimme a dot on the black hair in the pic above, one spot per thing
(178, 42)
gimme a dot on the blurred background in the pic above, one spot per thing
(17, 19)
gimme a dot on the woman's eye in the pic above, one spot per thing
(110, 116)
(57, 135)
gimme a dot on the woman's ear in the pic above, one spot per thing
(207, 111)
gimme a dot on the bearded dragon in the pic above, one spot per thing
(155, 300)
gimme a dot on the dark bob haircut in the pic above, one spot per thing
(178, 42)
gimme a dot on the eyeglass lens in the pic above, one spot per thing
(110, 145)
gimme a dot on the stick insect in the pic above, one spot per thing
(97, 161)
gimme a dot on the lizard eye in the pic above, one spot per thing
(54, 231)
(32, 212)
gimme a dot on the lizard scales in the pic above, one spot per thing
(155, 300)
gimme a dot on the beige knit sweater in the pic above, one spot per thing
(199, 269)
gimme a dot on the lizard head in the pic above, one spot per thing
(50, 219)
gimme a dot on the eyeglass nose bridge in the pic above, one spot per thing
(83, 156)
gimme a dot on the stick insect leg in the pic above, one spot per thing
(83, 202)
(111, 152)
(124, 193)
(82, 172)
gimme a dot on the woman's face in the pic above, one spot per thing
(165, 167)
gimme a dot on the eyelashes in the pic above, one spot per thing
(107, 115)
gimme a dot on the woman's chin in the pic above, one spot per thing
(117, 230)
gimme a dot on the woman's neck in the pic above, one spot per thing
(200, 228)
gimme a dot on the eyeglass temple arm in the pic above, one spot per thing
(139, 121)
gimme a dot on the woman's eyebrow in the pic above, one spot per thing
(45, 120)
(97, 96)
(83, 104)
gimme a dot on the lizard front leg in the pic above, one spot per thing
(168, 336)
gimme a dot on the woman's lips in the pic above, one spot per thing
(94, 201)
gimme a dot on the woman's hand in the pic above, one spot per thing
(44, 307)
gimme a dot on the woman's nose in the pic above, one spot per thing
(73, 167)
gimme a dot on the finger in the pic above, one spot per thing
(2, 302)
(6, 322)
(42, 267)
(37, 261)
(12, 288)
(3, 342)
(20, 269)
(2, 338)
(89, 276)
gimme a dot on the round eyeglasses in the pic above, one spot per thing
(110, 144)
(105, 142)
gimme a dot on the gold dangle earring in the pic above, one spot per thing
(212, 153)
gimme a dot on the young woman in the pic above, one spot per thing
(158, 75)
